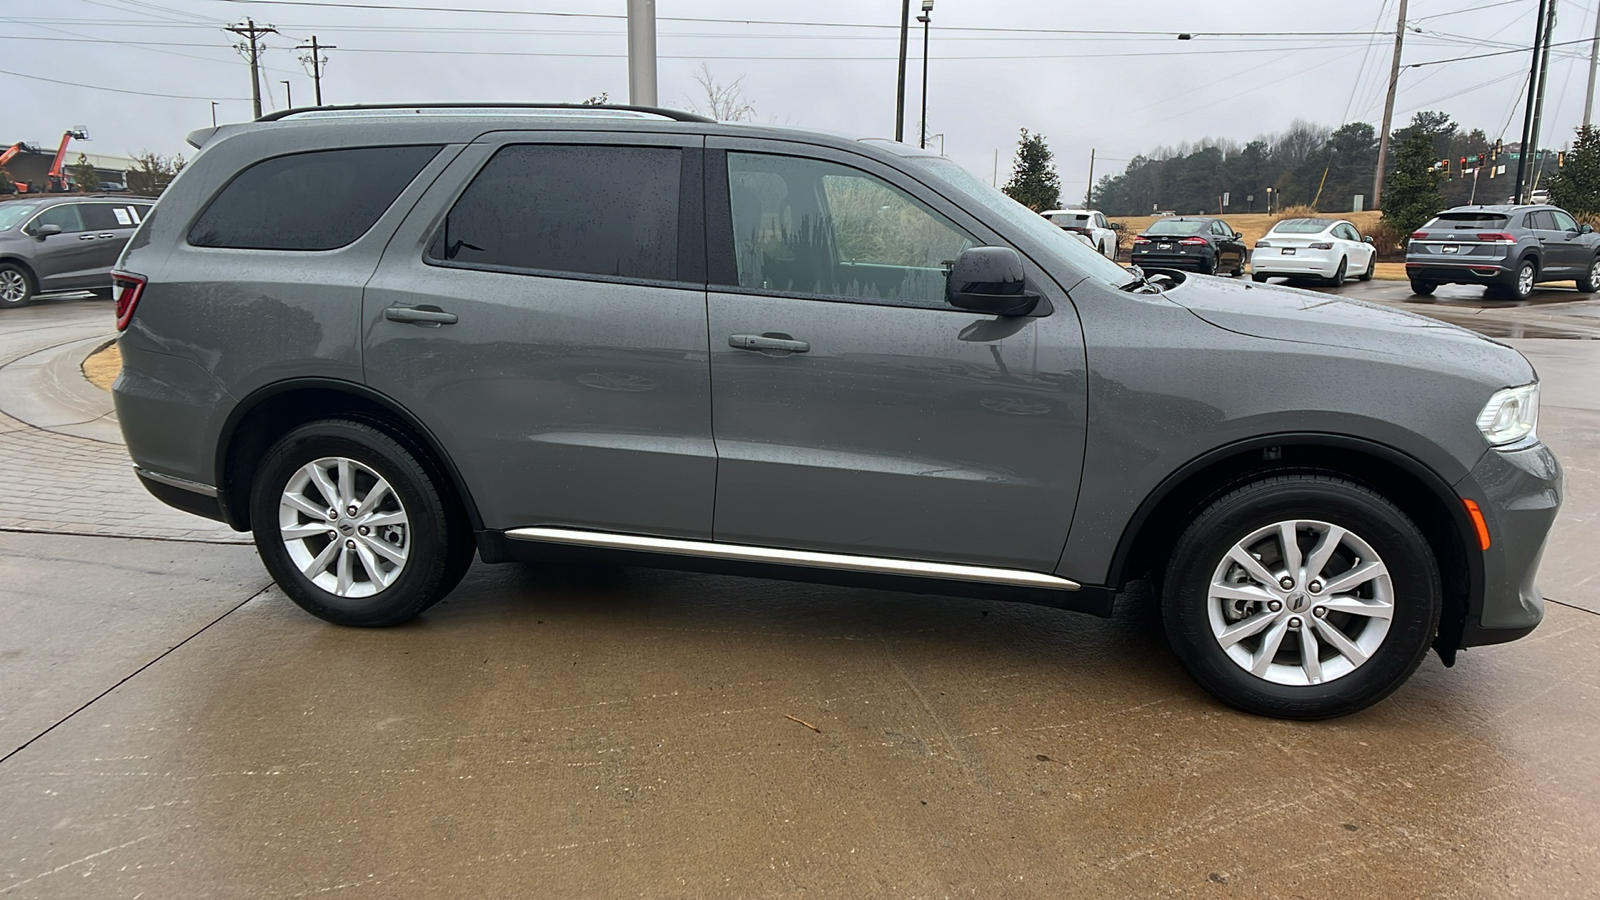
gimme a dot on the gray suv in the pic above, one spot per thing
(63, 242)
(1508, 249)
(388, 340)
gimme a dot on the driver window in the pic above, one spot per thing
(66, 215)
(814, 227)
(1564, 222)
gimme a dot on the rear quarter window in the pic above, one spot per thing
(320, 200)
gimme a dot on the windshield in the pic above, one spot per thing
(12, 213)
(1302, 226)
(1176, 226)
(1062, 242)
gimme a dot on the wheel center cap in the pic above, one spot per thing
(347, 526)
(1298, 602)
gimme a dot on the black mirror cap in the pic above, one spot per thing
(1238, 235)
(990, 280)
(1116, 226)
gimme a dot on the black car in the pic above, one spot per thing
(1507, 249)
(1203, 245)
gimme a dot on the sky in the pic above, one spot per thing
(1108, 76)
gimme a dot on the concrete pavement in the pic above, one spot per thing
(170, 726)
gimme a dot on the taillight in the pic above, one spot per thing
(1262, 244)
(1141, 240)
(1322, 245)
(1419, 235)
(129, 288)
(1496, 237)
(1192, 241)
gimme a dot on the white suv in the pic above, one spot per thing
(1091, 224)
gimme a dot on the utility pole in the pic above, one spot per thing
(317, 61)
(1088, 195)
(642, 52)
(1388, 109)
(253, 33)
(1594, 58)
(1538, 106)
(1527, 116)
(926, 19)
(900, 92)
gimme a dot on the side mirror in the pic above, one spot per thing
(1586, 229)
(990, 280)
(1116, 226)
(44, 231)
(1366, 239)
(1238, 235)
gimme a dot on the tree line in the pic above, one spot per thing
(1306, 165)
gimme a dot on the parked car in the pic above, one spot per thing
(1508, 249)
(1200, 244)
(63, 243)
(1329, 249)
(386, 343)
(1092, 224)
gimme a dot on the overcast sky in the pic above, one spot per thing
(1253, 66)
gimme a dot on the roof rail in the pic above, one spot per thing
(468, 108)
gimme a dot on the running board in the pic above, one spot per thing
(807, 558)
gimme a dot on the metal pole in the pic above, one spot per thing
(1594, 57)
(1388, 109)
(213, 114)
(900, 92)
(642, 52)
(1527, 116)
(288, 95)
(922, 137)
(1538, 106)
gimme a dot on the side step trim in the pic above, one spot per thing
(808, 558)
(205, 490)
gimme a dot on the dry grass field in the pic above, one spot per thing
(1253, 226)
(101, 367)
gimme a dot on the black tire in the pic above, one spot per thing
(1520, 287)
(437, 543)
(1340, 273)
(1372, 269)
(17, 287)
(1309, 498)
(1208, 266)
(1423, 288)
(1589, 282)
(1258, 277)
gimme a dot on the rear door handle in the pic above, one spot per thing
(767, 342)
(419, 315)
(85, 237)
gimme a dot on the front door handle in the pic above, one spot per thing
(767, 342)
(85, 237)
(419, 315)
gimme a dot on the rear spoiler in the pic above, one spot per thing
(203, 136)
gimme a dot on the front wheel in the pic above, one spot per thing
(16, 287)
(1589, 282)
(1302, 596)
(1372, 269)
(353, 527)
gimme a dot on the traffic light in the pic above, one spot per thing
(1499, 148)
(1445, 165)
(1463, 166)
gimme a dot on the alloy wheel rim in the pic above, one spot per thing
(1525, 281)
(1300, 602)
(1594, 272)
(344, 527)
(12, 286)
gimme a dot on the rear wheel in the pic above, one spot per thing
(1303, 596)
(1208, 266)
(16, 286)
(1589, 282)
(1521, 286)
(1340, 273)
(1258, 277)
(353, 527)
(1423, 288)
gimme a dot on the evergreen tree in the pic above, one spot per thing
(1034, 182)
(7, 186)
(1576, 187)
(84, 175)
(1411, 192)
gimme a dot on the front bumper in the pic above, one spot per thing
(1519, 492)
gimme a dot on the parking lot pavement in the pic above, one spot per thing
(182, 732)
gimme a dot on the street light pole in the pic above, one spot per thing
(900, 92)
(926, 18)
(288, 95)
(642, 52)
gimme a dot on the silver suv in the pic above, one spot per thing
(1508, 249)
(63, 242)
(388, 340)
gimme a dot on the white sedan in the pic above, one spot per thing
(1090, 225)
(1329, 249)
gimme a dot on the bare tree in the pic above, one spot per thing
(152, 172)
(600, 99)
(723, 102)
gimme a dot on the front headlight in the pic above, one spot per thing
(1510, 415)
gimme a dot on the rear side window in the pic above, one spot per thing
(589, 210)
(106, 216)
(322, 200)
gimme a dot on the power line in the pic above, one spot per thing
(95, 87)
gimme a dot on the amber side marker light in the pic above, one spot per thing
(1478, 523)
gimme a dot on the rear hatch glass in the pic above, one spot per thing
(1468, 221)
(1174, 227)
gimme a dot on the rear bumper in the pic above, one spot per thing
(1519, 493)
(1271, 261)
(1192, 261)
(1434, 272)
